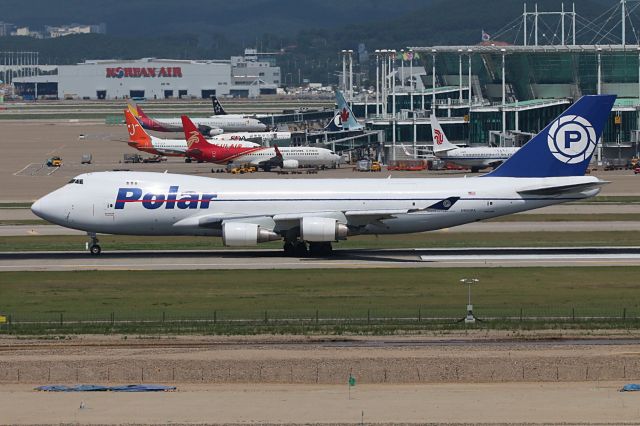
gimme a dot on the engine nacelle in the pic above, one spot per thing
(235, 234)
(290, 164)
(316, 229)
(213, 131)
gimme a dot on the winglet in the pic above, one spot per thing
(565, 146)
(191, 134)
(137, 135)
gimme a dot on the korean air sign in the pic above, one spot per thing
(144, 72)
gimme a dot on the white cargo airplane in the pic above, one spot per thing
(548, 170)
(475, 158)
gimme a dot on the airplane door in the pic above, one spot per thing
(109, 212)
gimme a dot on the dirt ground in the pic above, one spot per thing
(295, 360)
(496, 403)
(26, 145)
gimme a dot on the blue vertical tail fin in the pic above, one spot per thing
(565, 146)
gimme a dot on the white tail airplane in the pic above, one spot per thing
(310, 214)
(475, 158)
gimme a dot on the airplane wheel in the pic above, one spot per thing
(300, 249)
(95, 249)
(320, 249)
(289, 248)
(475, 170)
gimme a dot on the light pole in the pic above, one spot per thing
(504, 100)
(469, 318)
(378, 82)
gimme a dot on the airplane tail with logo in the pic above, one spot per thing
(192, 135)
(565, 146)
(138, 138)
(440, 141)
(347, 118)
(146, 121)
(334, 124)
(217, 106)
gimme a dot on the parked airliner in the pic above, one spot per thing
(142, 141)
(210, 126)
(475, 158)
(310, 214)
(290, 157)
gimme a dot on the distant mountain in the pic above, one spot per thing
(240, 20)
(310, 32)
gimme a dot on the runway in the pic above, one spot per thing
(577, 226)
(353, 258)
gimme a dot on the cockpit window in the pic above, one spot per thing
(77, 181)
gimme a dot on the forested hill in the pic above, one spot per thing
(309, 32)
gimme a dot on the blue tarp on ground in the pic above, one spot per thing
(630, 387)
(99, 388)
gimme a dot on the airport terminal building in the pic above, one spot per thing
(151, 78)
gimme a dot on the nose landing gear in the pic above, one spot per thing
(93, 246)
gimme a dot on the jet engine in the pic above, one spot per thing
(236, 234)
(290, 164)
(316, 229)
(209, 131)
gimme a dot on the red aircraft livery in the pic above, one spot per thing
(138, 72)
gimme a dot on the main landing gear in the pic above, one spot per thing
(93, 246)
(299, 248)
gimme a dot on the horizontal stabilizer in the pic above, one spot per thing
(562, 189)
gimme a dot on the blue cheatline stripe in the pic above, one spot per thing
(360, 199)
(473, 158)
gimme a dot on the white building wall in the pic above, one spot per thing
(154, 77)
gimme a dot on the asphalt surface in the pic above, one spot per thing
(22, 230)
(274, 259)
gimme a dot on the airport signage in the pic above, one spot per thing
(143, 72)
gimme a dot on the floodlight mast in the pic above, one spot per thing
(469, 318)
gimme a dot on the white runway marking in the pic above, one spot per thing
(24, 168)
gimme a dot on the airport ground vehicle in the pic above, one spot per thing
(86, 159)
(367, 165)
(240, 170)
(407, 165)
(154, 159)
(54, 162)
(636, 170)
(132, 158)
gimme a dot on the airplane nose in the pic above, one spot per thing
(48, 209)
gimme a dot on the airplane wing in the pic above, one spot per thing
(355, 218)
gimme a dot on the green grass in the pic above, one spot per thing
(21, 222)
(15, 205)
(426, 240)
(334, 293)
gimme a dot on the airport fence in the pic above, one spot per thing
(307, 320)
